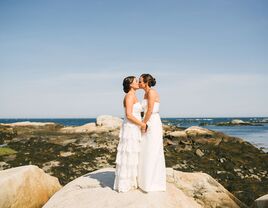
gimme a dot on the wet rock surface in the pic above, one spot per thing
(238, 165)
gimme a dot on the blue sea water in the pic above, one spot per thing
(257, 135)
(63, 121)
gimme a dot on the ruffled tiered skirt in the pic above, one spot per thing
(127, 157)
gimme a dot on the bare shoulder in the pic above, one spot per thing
(129, 97)
(154, 94)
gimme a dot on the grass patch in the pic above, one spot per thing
(7, 151)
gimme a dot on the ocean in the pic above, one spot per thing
(257, 135)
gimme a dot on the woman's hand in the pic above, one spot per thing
(143, 127)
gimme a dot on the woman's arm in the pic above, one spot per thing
(150, 98)
(129, 100)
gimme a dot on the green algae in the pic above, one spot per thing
(7, 151)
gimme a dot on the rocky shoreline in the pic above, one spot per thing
(69, 152)
(237, 122)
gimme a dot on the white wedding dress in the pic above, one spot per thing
(152, 168)
(127, 156)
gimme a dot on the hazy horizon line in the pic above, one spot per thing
(163, 117)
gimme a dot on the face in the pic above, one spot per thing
(141, 83)
(135, 84)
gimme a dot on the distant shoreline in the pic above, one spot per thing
(201, 117)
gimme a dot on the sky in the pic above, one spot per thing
(67, 59)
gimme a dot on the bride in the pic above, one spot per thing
(127, 156)
(151, 166)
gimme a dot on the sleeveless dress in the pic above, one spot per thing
(127, 156)
(152, 168)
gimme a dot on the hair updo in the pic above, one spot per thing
(127, 82)
(148, 78)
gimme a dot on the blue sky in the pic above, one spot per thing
(68, 58)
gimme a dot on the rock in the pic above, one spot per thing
(237, 122)
(199, 153)
(237, 170)
(181, 134)
(255, 177)
(186, 141)
(89, 127)
(265, 120)
(27, 123)
(184, 190)
(198, 131)
(263, 172)
(261, 202)
(48, 165)
(169, 142)
(169, 128)
(240, 175)
(179, 166)
(86, 128)
(66, 154)
(109, 121)
(104, 123)
(251, 170)
(3, 165)
(222, 160)
(6, 133)
(26, 186)
(221, 172)
(214, 141)
(45, 144)
(205, 190)
(187, 148)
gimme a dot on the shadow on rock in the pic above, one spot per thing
(106, 178)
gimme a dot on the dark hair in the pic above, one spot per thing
(148, 78)
(127, 82)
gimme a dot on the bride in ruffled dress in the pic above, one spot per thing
(127, 157)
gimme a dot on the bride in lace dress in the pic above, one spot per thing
(152, 169)
(127, 156)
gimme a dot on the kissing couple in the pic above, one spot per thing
(140, 161)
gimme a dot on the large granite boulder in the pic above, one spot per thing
(104, 123)
(184, 190)
(26, 187)
(194, 131)
(89, 127)
(109, 121)
(180, 134)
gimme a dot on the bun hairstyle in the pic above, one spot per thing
(127, 82)
(148, 78)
